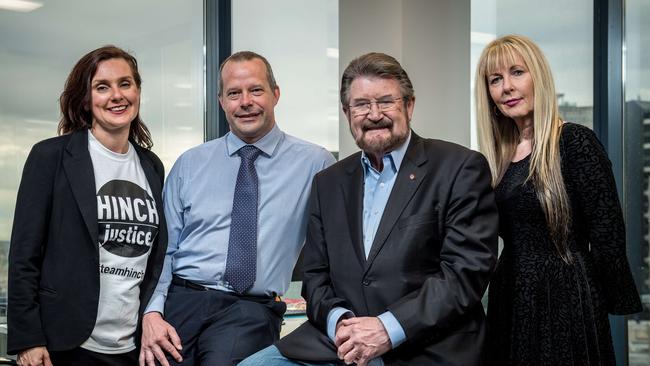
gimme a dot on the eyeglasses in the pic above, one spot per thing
(363, 107)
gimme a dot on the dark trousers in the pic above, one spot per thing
(82, 357)
(219, 328)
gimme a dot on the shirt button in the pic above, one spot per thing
(366, 282)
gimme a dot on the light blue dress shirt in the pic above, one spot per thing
(198, 198)
(376, 191)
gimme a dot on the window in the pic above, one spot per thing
(636, 143)
(301, 44)
(567, 44)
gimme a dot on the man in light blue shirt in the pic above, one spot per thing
(216, 299)
(401, 240)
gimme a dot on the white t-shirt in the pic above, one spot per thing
(128, 224)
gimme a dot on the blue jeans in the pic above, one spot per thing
(271, 356)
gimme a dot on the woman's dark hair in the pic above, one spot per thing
(75, 99)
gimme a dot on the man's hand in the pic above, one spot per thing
(158, 336)
(361, 340)
(36, 356)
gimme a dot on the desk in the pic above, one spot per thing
(291, 322)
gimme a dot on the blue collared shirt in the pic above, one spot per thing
(376, 190)
(198, 199)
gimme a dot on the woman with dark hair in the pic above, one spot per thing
(563, 267)
(89, 235)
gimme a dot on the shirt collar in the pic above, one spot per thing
(396, 156)
(267, 143)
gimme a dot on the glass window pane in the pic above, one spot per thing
(300, 40)
(637, 169)
(39, 48)
(567, 44)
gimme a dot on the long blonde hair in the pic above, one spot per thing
(499, 136)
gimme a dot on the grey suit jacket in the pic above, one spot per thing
(429, 264)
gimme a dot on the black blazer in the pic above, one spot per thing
(54, 254)
(429, 264)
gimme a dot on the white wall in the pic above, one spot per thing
(431, 39)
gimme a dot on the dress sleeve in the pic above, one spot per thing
(588, 166)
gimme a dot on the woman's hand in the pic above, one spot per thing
(36, 356)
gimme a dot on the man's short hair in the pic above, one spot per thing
(379, 65)
(247, 56)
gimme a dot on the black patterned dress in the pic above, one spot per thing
(541, 310)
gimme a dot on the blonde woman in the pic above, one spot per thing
(563, 267)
